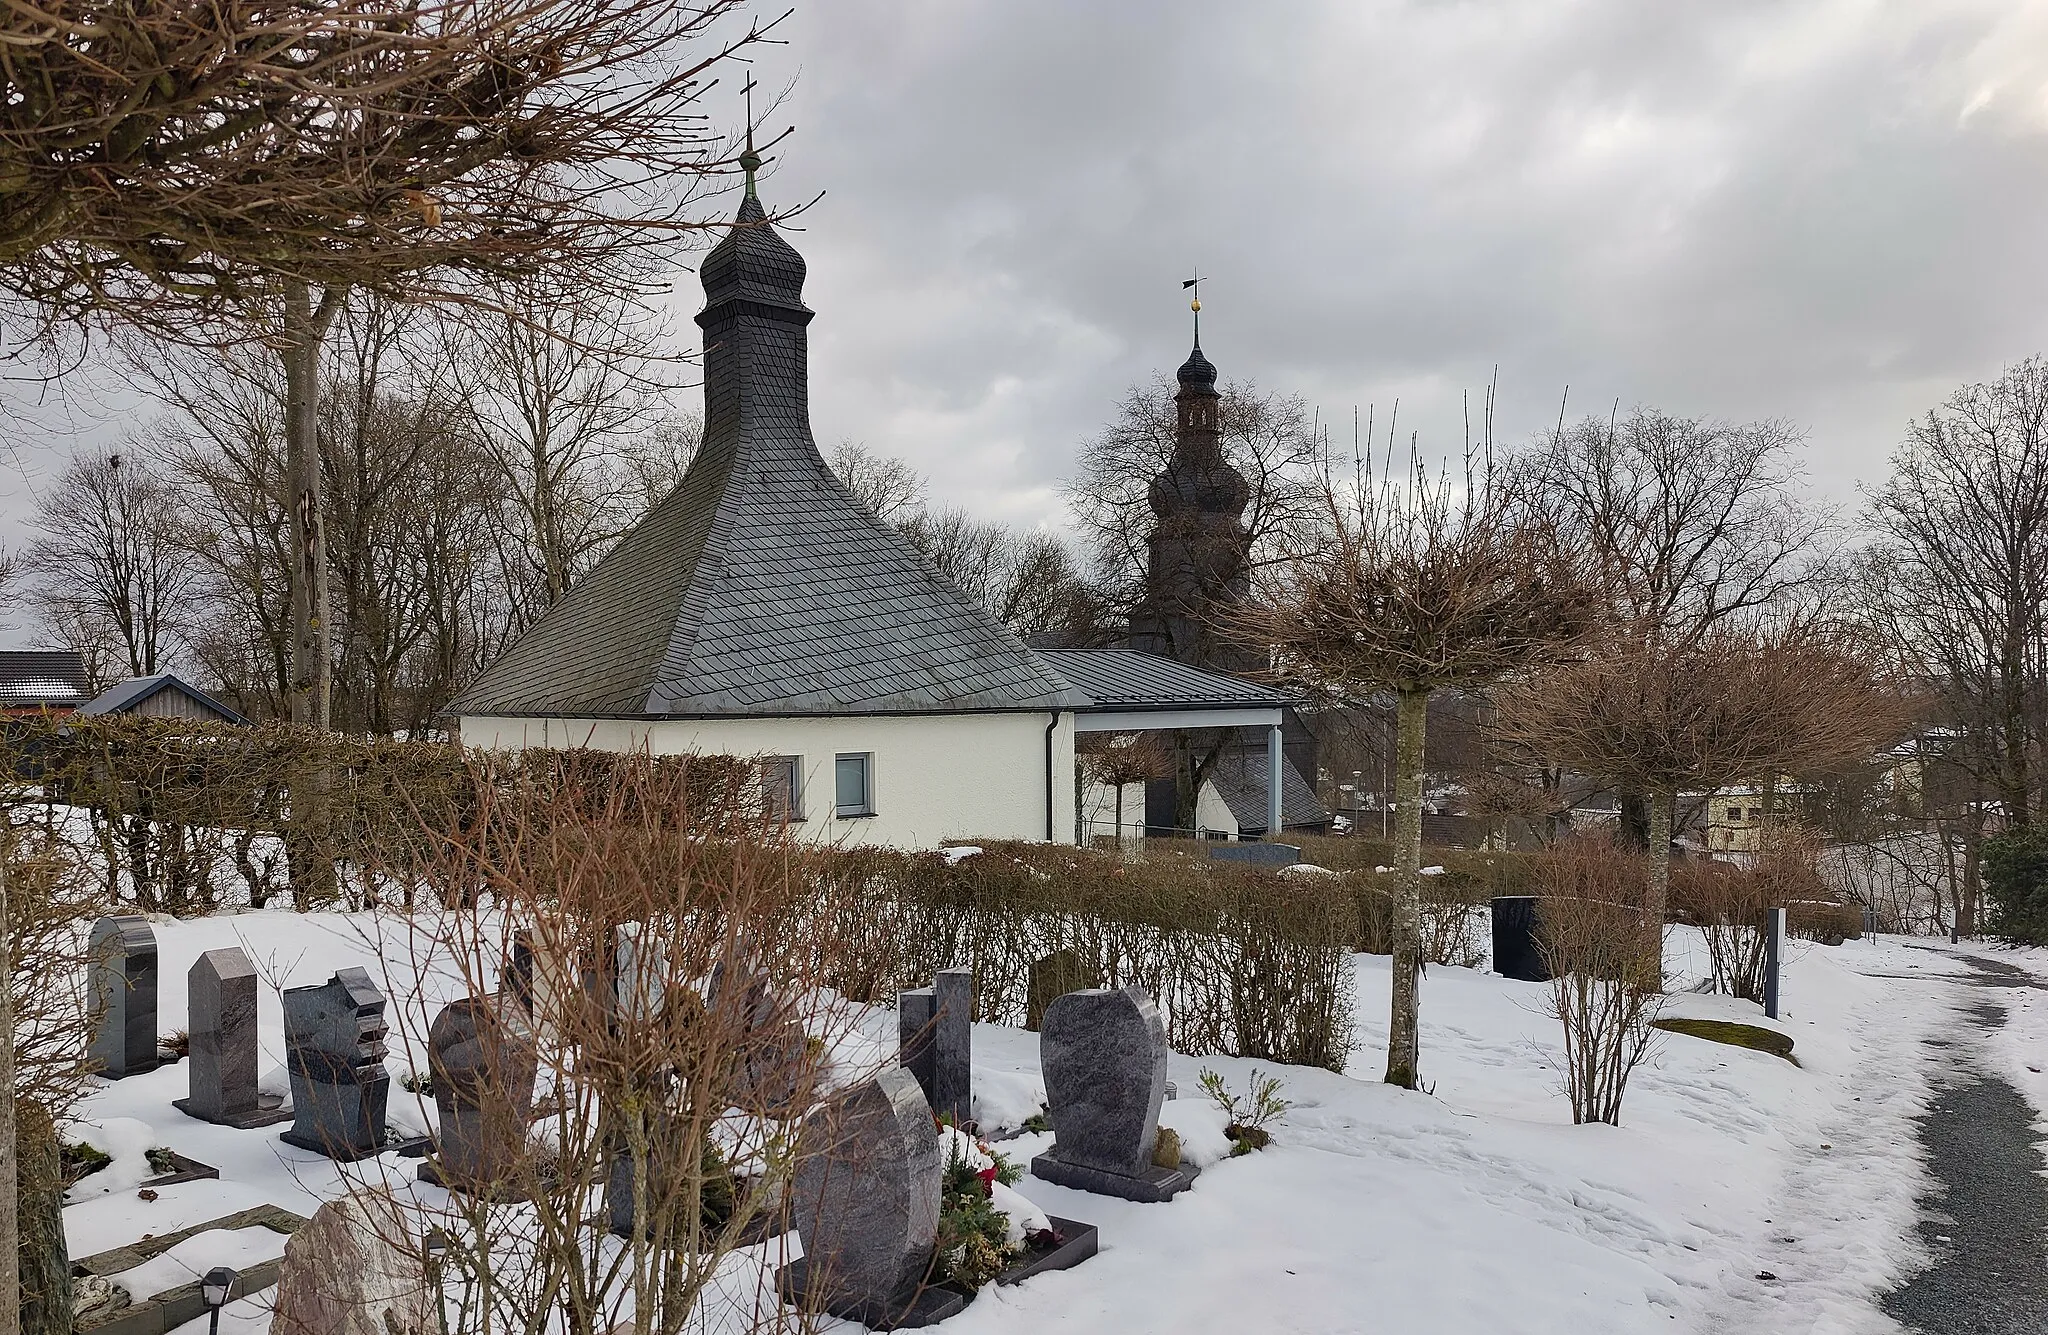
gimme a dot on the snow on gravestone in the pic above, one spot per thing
(123, 952)
(334, 1051)
(1103, 1053)
(866, 1205)
(481, 1053)
(221, 1067)
(344, 1273)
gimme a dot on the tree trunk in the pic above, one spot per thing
(45, 1265)
(1634, 822)
(10, 1157)
(1404, 1026)
(1663, 811)
(312, 670)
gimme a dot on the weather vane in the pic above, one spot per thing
(1195, 301)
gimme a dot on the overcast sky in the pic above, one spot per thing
(1832, 212)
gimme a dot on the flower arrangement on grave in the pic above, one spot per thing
(985, 1226)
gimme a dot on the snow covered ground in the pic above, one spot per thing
(1742, 1192)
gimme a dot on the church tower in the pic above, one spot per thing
(1200, 555)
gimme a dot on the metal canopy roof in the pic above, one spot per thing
(1131, 691)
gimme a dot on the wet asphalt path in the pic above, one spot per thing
(1985, 1218)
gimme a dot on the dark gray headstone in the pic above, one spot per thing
(518, 972)
(916, 1012)
(953, 1045)
(220, 994)
(481, 1054)
(1257, 854)
(774, 1067)
(334, 1052)
(866, 1200)
(1517, 952)
(124, 991)
(1103, 1054)
(1052, 977)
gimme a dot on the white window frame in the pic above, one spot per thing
(866, 806)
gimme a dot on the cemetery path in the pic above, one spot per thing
(1984, 1217)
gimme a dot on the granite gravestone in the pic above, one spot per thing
(775, 1068)
(1052, 977)
(866, 1205)
(334, 1052)
(1103, 1053)
(124, 996)
(935, 1042)
(915, 1051)
(1517, 919)
(481, 1053)
(220, 991)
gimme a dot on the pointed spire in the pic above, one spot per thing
(1196, 373)
(750, 161)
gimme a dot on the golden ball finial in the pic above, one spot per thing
(1195, 304)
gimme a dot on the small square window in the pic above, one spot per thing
(1735, 813)
(853, 792)
(782, 789)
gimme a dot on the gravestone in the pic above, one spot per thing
(866, 1205)
(124, 991)
(1257, 854)
(346, 1273)
(952, 1092)
(1052, 977)
(1103, 1053)
(775, 1067)
(915, 1050)
(334, 1052)
(220, 991)
(1516, 953)
(1774, 959)
(518, 971)
(480, 1051)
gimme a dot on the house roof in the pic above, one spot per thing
(125, 697)
(1130, 679)
(760, 586)
(31, 677)
(1240, 780)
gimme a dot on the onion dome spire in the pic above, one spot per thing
(1196, 373)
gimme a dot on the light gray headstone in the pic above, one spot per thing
(221, 1019)
(952, 1094)
(124, 989)
(334, 1052)
(1103, 1053)
(868, 1183)
(481, 1053)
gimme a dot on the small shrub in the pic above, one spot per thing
(161, 1160)
(1605, 970)
(2015, 870)
(1251, 1115)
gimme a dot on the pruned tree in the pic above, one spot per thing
(110, 576)
(1118, 760)
(1728, 703)
(890, 489)
(236, 171)
(1412, 585)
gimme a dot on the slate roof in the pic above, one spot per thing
(124, 697)
(1240, 780)
(1130, 679)
(760, 587)
(32, 677)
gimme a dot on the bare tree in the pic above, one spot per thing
(1271, 439)
(1411, 586)
(1958, 583)
(890, 489)
(238, 170)
(109, 572)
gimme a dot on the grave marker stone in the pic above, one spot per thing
(866, 1204)
(775, 1068)
(1052, 977)
(334, 1052)
(915, 1050)
(124, 989)
(481, 1053)
(1516, 921)
(952, 1093)
(1774, 959)
(220, 991)
(1103, 1053)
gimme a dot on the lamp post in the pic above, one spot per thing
(214, 1288)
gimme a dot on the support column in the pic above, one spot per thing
(1275, 766)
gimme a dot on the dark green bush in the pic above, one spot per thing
(2016, 885)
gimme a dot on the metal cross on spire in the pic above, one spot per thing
(750, 161)
(1195, 302)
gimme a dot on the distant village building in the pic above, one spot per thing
(162, 696)
(33, 681)
(761, 611)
